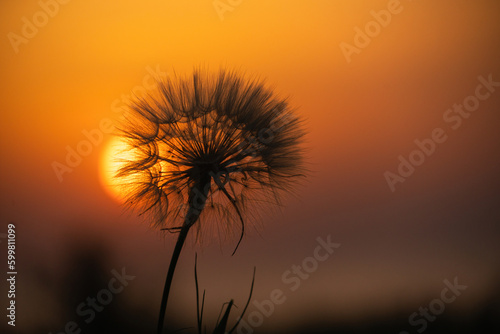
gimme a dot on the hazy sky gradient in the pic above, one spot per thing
(396, 247)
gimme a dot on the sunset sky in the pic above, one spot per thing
(368, 97)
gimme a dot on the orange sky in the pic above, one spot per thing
(361, 115)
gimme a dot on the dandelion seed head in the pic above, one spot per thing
(222, 137)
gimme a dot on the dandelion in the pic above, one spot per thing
(209, 149)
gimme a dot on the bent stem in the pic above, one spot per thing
(197, 201)
(170, 275)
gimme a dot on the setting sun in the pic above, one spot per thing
(114, 155)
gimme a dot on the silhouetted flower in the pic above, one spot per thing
(209, 149)
(212, 146)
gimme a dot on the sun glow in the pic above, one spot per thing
(113, 157)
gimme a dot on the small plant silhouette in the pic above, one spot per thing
(222, 322)
(207, 150)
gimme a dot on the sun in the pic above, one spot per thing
(113, 157)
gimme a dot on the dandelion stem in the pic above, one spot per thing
(168, 282)
(197, 199)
